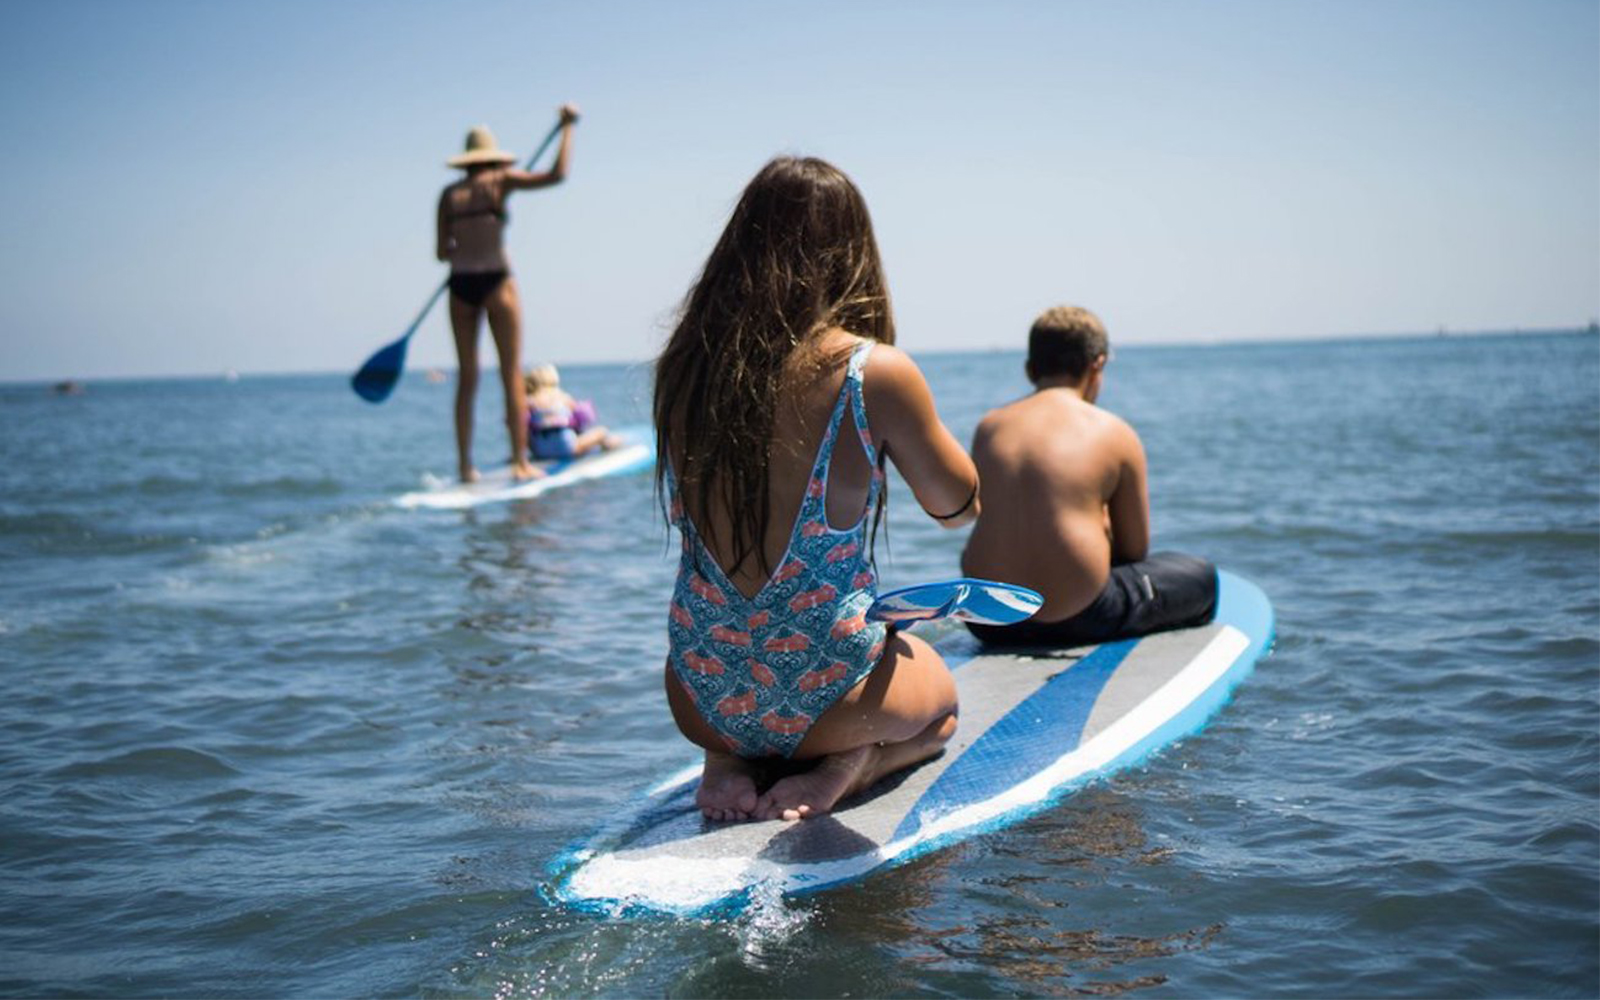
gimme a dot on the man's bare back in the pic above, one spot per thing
(1064, 495)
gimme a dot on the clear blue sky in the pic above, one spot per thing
(191, 187)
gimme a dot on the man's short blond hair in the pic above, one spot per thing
(1065, 340)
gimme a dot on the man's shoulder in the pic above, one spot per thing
(1114, 423)
(1002, 417)
(1117, 433)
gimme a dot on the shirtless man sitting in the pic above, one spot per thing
(1066, 508)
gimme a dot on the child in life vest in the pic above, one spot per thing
(559, 426)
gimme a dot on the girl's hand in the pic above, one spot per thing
(569, 114)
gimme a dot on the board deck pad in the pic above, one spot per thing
(1034, 724)
(637, 452)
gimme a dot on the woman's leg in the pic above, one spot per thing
(901, 713)
(505, 322)
(464, 324)
(727, 784)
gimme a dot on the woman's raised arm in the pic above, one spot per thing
(522, 179)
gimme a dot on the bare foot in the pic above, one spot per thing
(521, 472)
(837, 775)
(611, 442)
(468, 474)
(727, 788)
(814, 792)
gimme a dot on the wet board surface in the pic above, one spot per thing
(496, 486)
(1034, 725)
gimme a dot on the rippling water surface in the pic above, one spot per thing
(265, 734)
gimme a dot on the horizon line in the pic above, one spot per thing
(228, 374)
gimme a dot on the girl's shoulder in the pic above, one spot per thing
(889, 370)
(841, 346)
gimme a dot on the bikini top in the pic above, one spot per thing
(476, 214)
(762, 669)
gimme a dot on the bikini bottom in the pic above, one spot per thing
(475, 287)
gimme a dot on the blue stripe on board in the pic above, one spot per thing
(1042, 728)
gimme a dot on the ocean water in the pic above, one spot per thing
(264, 734)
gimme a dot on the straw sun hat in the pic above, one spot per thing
(481, 148)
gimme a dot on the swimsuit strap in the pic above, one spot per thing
(855, 379)
(495, 208)
(814, 504)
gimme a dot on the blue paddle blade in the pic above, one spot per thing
(378, 376)
(984, 602)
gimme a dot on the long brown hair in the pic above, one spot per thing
(797, 258)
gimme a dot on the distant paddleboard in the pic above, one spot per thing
(637, 452)
(1033, 727)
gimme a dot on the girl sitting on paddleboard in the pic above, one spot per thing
(559, 426)
(472, 219)
(777, 397)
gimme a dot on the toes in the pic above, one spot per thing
(717, 814)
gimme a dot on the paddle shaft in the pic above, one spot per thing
(555, 131)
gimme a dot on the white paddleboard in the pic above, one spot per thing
(496, 486)
(1033, 726)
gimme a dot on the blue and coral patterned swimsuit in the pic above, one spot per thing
(762, 669)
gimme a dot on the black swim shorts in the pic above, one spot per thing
(1167, 590)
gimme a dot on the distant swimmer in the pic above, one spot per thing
(560, 426)
(777, 397)
(472, 219)
(1067, 509)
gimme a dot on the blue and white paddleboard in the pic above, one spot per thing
(1034, 725)
(637, 452)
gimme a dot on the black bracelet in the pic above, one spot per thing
(959, 510)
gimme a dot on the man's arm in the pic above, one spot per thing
(1129, 505)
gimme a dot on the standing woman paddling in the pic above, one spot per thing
(472, 219)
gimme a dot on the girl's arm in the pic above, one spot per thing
(522, 179)
(908, 430)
